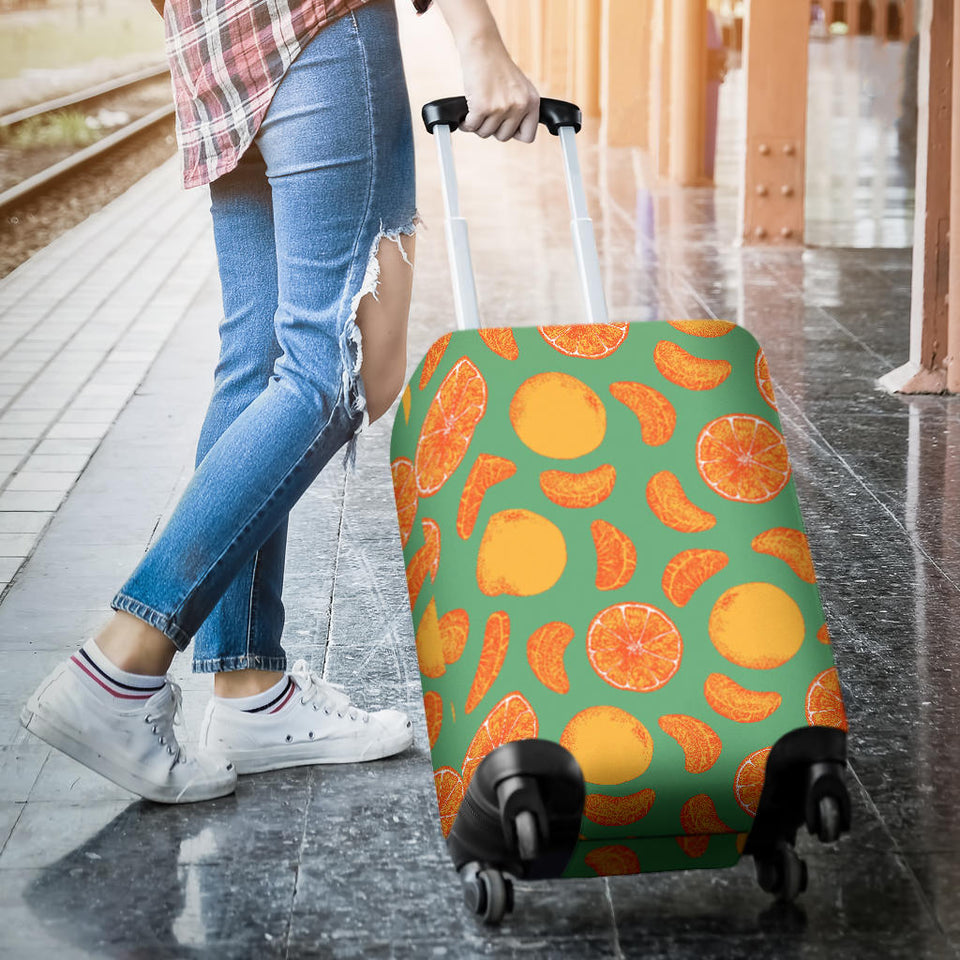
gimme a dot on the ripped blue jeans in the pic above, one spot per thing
(297, 226)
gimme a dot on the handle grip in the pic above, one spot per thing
(452, 111)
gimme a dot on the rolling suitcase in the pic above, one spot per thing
(624, 657)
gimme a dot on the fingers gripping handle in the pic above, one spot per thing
(452, 111)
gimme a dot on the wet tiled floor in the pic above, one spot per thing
(349, 861)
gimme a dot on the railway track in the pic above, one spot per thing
(84, 99)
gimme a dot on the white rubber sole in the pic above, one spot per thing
(50, 732)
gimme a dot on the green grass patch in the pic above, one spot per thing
(65, 128)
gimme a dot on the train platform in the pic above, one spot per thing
(109, 340)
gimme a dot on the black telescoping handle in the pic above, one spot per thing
(452, 111)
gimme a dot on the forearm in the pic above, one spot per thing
(470, 22)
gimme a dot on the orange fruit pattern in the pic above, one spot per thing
(737, 703)
(449, 787)
(509, 720)
(743, 458)
(449, 425)
(501, 341)
(688, 371)
(429, 644)
(432, 358)
(611, 745)
(654, 411)
(496, 638)
(699, 815)
(425, 560)
(791, 547)
(454, 630)
(487, 470)
(701, 745)
(405, 403)
(703, 328)
(521, 553)
(616, 555)
(405, 494)
(634, 646)
(694, 846)
(579, 490)
(593, 340)
(688, 571)
(823, 634)
(545, 650)
(672, 508)
(748, 780)
(761, 373)
(612, 861)
(824, 702)
(739, 626)
(609, 811)
(433, 708)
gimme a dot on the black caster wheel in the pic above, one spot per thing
(827, 826)
(782, 873)
(498, 896)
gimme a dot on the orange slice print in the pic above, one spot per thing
(699, 815)
(590, 340)
(743, 458)
(433, 708)
(748, 780)
(823, 634)
(611, 745)
(688, 571)
(608, 811)
(825, 702)
(511, 719)
(756, 625)
(791, 547)
(405, 403)
(616, 555)
(545, 650)
(429, 644)
(449, 787)
(449, 426)
(432, 359)
(496, 638)
(501, 341)
(613, 861)
(700, 744)
(405, 494)
(425, 560)
(521, 553)
(654, 411)
(487, 470)
(579, 490)
(703, 328)
(634, 646)
(672, 508)
(688, 371)
(737, 703)
(761, 373)
(454, 630)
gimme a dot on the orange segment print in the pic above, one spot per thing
(496, 638)
(694, 846)
(608, 811)
(743, 458)
(823, 634)
(449, 426)
(590, 340)
(405, 402)
(501, 341)
(634, 646)
(748, 780)
(703, 328)
(454, 630)
(700, 744)
(545, 650)
(672, 508)
(425, 560)
(405, 495)
(429, 644)
(791, 547)
(699, 819)
(824, 703)
(511, 719)
(688, 571)
(616, 555)
(579, 490)
(449, 787)
(654, 411)
(688, 371)
(487, 470)
(432, 359)
(737, 703)
(612, 861)
(761, 373)
(433, 708)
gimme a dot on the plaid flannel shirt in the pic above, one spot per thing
(227, 58)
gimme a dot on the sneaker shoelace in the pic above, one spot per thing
(163, 719)
(324, 695)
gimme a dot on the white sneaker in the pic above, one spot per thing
(316, 723)
(134, 746)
